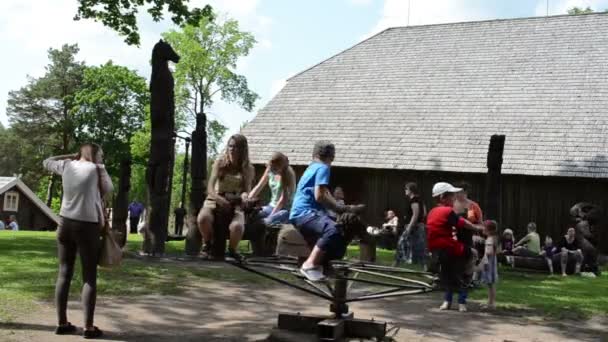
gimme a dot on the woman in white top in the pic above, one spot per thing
(85, 181)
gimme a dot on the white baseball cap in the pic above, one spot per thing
(443, 187)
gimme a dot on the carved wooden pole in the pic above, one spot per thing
(198, 175)
(493, 179)
(162, 118)
(121, 202)
(171, 170)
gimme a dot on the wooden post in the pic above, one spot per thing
(493, 178)
(162, 118)
(121, 202)
(367, 251)
(198, 175)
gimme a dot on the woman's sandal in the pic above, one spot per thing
(95, 333)
(65, 329)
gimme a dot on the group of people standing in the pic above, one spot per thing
(460, 244)
(455, 230)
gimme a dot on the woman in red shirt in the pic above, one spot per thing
(452, 254)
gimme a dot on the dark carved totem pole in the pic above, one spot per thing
(588, 219)
(493, 179)
(198, 174)
(121, 202)
(162, 114)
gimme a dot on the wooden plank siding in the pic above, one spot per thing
(544, 200)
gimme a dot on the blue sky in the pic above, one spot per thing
(292, 35)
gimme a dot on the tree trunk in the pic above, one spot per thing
(493, 178)
(147, 246)
(198, 175)
(50, 193)
(121, 202)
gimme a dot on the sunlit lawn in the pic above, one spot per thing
(28, 269)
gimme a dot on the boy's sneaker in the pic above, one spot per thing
(445, 306)
(462, 307)
(313, 274)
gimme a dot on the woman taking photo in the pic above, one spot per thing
(229, 184)
(281, 179)
(85, 183)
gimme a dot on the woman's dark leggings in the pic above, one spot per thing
(84, 238)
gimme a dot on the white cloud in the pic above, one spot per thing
(562, 6)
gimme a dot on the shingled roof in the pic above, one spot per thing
(429, 98)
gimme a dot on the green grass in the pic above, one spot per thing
(28, 270)
(570, 297)
(553, 296)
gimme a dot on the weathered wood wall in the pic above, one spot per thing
(29, 216)
(544, 200)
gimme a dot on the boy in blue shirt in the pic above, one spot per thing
(309, 213)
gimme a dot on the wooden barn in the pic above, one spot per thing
(31, 213)
(420, 103)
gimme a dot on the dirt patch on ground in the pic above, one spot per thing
(214, 311)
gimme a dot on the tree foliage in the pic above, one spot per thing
(579, 10)
(215, 134)
(110, 108)
(209, 53)
(42, 109)
(120, 15)
(40, 116)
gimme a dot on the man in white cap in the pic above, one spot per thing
(453, 255)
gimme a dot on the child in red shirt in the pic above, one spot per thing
(452, 253)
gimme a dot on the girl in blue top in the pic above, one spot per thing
(281, 179)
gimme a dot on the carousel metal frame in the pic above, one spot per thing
(338, 289)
